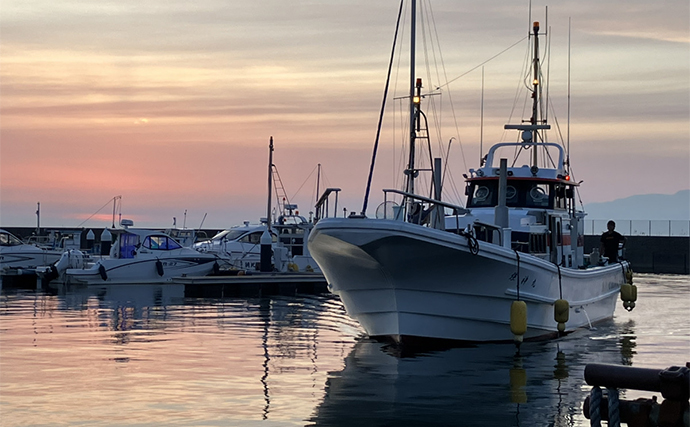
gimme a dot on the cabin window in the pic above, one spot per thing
(7, 239)
(228, 235)
(538, 196)
(519, 193)
(163, 243)
(253, 238)
(483, 195)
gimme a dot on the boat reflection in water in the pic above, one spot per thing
(485, 385)
(279, 360)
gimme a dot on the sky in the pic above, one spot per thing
(171, 104)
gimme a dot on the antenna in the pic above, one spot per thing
(481, 121)
(568, 126)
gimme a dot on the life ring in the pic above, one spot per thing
(102, 272)
(159, 268)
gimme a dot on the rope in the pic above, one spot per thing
(517, 255)
(594, 407)
(472, 242)
(383, 107)
(483, 63)
(614, 414)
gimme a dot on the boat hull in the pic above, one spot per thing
(27, 256)
(402, 281)
(146, 271)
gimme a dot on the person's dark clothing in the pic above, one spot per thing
(610, 241)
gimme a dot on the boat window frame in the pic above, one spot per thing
(521, 198)
(11, 240)
(160, 242)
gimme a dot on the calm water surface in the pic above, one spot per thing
(147, 356)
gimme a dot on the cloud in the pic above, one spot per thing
(173, 103)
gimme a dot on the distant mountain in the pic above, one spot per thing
(644, 206)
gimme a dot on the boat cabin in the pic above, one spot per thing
(129, 242)
(542, 219)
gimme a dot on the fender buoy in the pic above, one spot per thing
(101, 271)
(216, 267)
(159, 267)
(561, 313)
(518, 319)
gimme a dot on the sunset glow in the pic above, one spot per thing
(172, 105)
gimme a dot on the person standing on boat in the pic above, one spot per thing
(610, 240)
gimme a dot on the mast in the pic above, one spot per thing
(411, 163)
(530, 132)
(535, 94)
(270, 182)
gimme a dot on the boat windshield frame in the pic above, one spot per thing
(9, 239)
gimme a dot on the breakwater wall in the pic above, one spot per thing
(647, 254)
(653, 254)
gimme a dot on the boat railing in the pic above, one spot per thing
(642, 227)
(434, 213)
(322, 206)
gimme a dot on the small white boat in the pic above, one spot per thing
(136, 256)
(509, 265)
(240, 246)
(16, 254)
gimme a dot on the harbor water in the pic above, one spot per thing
(146, 355)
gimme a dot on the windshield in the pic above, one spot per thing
(518, 194)
(160, 242)
(7, 239)
(228, 235)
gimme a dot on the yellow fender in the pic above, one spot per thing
(561, 313)
(518, 319)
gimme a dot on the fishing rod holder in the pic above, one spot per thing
(673, 383)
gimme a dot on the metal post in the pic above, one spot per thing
(501, 211)
(38, 219)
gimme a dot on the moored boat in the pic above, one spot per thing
(508, 265)
(136, 256)
(17, 254)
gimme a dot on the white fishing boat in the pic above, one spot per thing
(16, 254)
(137, 256)
(509, 265)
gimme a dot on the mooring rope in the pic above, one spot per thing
(594, 407)
(614, 413)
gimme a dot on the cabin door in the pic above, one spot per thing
(556, 232)
(128, 245)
